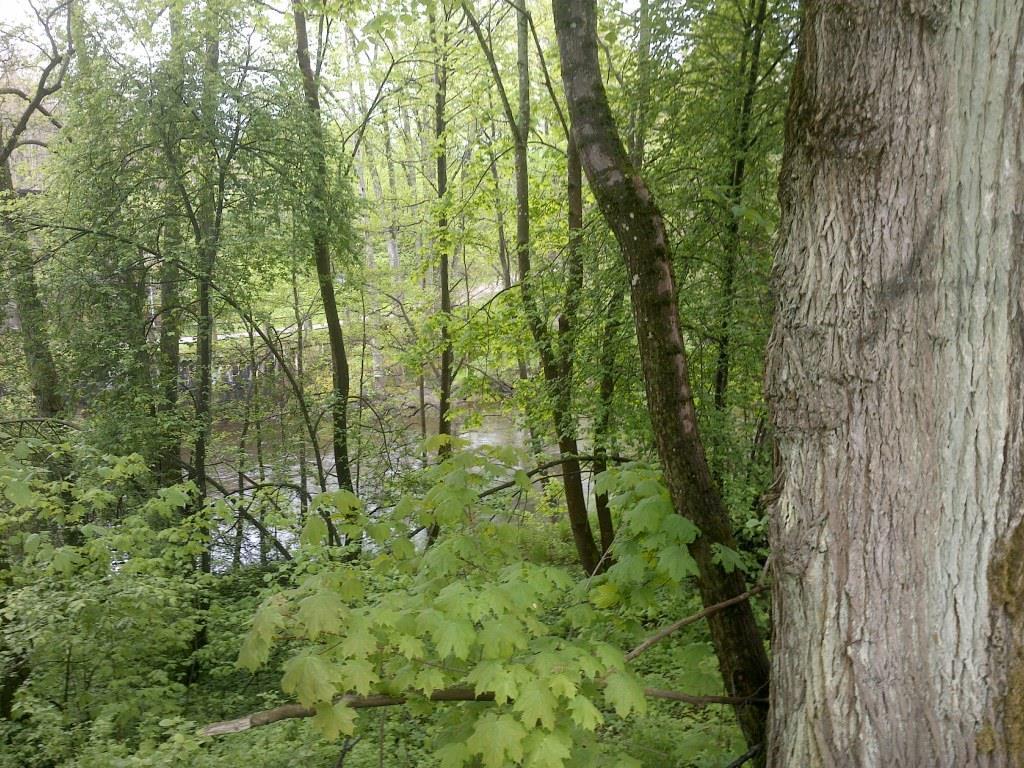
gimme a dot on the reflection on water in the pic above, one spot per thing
(482, 430)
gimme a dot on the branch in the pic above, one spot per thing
(489, 55)
(664, 632)
(41, 420)
(291, 711)
(753, 752)
(700, 701)
(548, 465)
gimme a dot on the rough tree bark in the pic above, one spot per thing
(896, 378)
(629, 209)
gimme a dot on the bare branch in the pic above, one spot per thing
(664, 632)
(291, 711)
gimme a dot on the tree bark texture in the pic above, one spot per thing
(630, 211)
(895, 378)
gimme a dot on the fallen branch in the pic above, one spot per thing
(291, 711)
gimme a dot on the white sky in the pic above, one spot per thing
(14, 10)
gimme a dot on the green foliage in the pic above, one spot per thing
(136, 606)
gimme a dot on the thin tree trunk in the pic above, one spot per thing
(319, 228)
(42, 371)
(612, 323)
(442, 238)
(300, 367)
(630, 211)
(169, 354)
(896, 379)
(737, 179)
(557, 369)
(394, 258)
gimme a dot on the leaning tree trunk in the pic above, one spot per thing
(629, 209)
(896, 378)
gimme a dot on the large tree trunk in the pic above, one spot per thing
(895, 377)
(630, 211)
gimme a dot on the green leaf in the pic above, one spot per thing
(494, 677)
(502, 637)
(628, 569)
(650, 513)
(429, 680)
(314, 532)
(64, 560)
(677, 563)
(453, 637)
(537, 705)
(497, 738)
(410, 647)
(31, 543)
(622, 760)
(176, 496)
(610, 656)
(680, 528)
(455, 754)
(321, 613)
(585, 714)
(522, 480)
(332, 720)
(605, 482)
(561, 685)
(624, 693)
(548, 750)
(19, 493)
(729, 559)
(359, 675)
(605, 595)
(309, 678)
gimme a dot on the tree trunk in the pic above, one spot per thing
(896, 378)
(207, 235)
(42, 372)
(556, 367)
(319, 228)
(630, 211)
(442, 241)
(742, 139)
